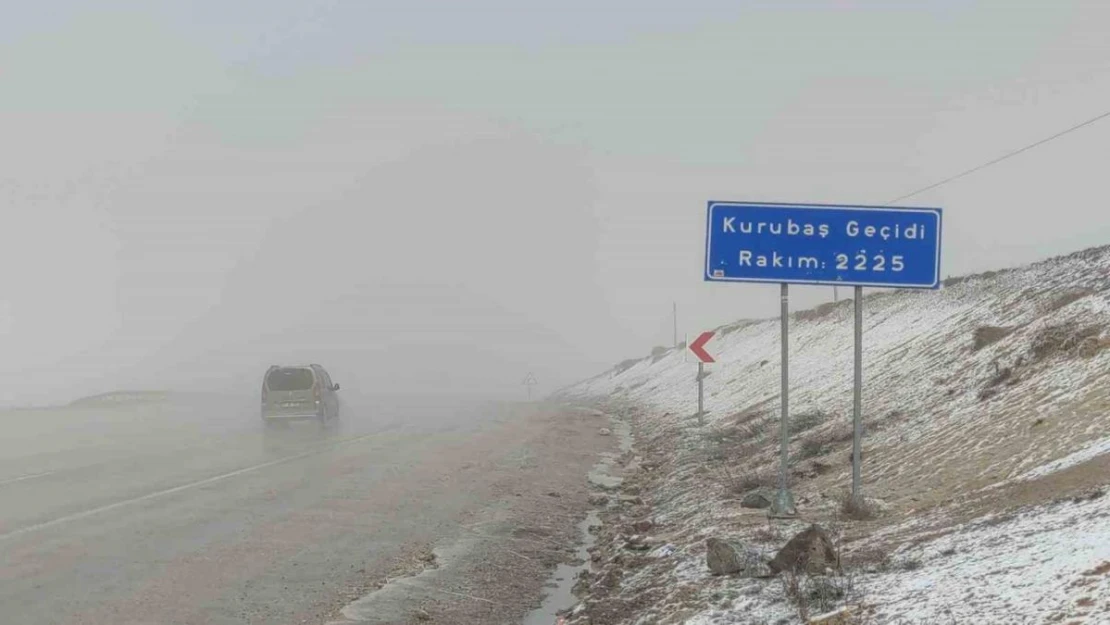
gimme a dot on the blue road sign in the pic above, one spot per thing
(879, 246)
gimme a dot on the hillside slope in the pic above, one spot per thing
(986, 412)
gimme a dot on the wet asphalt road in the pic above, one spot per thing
(190, 512)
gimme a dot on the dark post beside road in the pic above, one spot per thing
(783, 504)
(698, 347)
(857, 398)
(701, 395)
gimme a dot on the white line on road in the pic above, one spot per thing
(176, 489)
(25, 477)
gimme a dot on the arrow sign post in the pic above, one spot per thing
(529, 382)
(698, 347)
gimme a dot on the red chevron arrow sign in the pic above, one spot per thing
(698, 346)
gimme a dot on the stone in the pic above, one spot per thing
(843, 616)
(809, 551)
(599, 500)
(724, 557)
(605, 431)
(644, 526)
(757, 500)
(665, 551)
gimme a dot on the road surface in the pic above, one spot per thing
(187, 511)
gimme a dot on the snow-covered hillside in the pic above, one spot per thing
(986, 405)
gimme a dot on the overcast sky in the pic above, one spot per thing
(444, 195)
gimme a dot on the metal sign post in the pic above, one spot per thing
(857, 398)
(783, 505)
(698, 349)
(529, 382)
(833, 245)
(674, 311)
(701, 393)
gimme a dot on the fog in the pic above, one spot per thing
(432, 199)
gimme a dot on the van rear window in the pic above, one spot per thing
(289, 380)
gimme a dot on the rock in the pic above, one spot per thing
(729, 558)
(756, 500)
(629, 489)
(422, 615)
(605, 431)
(643, 527)
(631, 500)
(599, 500)
(665, 551)
(810, 551)
(554, 494)
(843, 616)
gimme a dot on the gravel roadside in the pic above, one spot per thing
(495, 565)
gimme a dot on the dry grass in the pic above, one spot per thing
(812, 447)
(820, 443)
(1066, 299)
(1068, 338)
(805, 421)
(857, 509)
(817, 594)
(746, 482)
(987, 275)
(872, 559)
(658, 353)
(990, 389)
(733, 327)
(909, 564)
(768, 534)
(820, 312)
(988, 335)
(625, 365)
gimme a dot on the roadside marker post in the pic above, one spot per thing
(529, 382)
(701, 393)
(698, 349)
(822, 244)
(783, 504)
(857, 396)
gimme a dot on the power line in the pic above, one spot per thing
(1006, 156)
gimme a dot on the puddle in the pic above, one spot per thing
(601, 475)
(623, 432)
(560, 594)
(560, 597)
